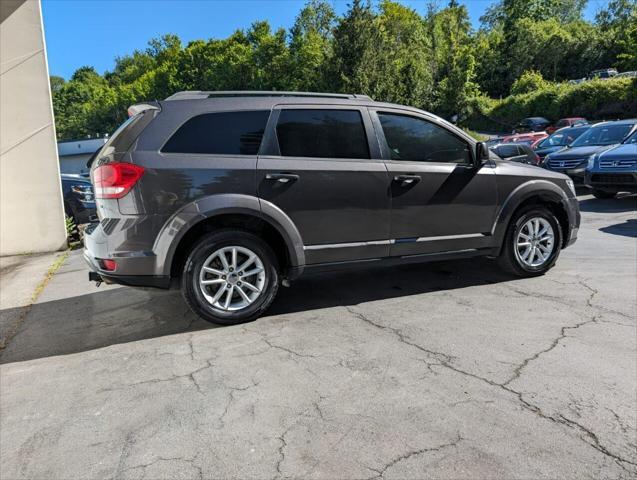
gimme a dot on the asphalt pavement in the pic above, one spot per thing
(444, 370)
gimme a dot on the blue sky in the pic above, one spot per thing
(94, 32)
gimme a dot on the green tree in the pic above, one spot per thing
(619, 40)
(455, 65)
(508, 12)
(56, 83)
(354, 37)
(311, 46)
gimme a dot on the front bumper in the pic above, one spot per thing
(612, 180)
(574, 217)
(576, 174)
(132, 266)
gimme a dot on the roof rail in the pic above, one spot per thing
(197, 94)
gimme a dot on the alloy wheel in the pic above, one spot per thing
(232, 278)
(535, 242)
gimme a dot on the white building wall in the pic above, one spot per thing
(31, 207)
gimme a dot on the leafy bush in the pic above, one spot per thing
(595, 100)
(529, 81)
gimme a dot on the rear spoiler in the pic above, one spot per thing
(142, 107)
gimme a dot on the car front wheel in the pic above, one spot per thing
(532, 242)
(230, 277)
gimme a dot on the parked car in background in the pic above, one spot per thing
(630, 74)
(604, 73)
(79, 201)
(573, 160)
(560, 139)
(531, 124)
(614, 170)
(566, 122)
(516, 152)
(493, 141)
(528, 138)
(230, 194)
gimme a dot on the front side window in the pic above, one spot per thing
(221, 133)
(415, 139)
(322, 134)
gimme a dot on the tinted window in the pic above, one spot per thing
(414, 139)
(322, 134)
(508, 151)
(227, 133)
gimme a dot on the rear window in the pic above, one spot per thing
(221, 133)
(127, 132)
(322, 134)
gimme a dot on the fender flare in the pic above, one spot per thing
(182, 221)
(544, 189)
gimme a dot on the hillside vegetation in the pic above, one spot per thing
(524, 52)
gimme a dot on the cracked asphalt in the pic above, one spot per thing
(449, 370)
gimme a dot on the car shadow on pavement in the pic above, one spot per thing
(122, 315)
(625, 202)
(626, 229)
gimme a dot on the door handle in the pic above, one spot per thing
(282, 177)
(407, 179)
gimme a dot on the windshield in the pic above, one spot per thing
(632, 139)
(561, 139)
(604, 135)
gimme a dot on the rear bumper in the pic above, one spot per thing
(132, 266)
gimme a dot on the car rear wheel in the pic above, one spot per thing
(603, 194)
(230, 277)
(532, 242)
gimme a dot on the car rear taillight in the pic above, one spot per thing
(114, 180)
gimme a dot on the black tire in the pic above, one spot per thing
(509, 259)
(603, 194)
(206, 246)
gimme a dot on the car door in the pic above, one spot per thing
(440, 201)
(321, 169)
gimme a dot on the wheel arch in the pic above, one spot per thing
(221, 211)
(534, 192)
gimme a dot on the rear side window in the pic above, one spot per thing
(415, 139)
(322, 134)
(222, 133)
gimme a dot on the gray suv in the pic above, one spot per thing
(230, 194)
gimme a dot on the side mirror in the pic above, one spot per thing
(481, 154)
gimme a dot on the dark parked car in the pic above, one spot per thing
(560, 139)
(614, 170)
(79, 201)
(532, 124)
(573, 160)
(516, 152)
(231, 194)
(566, 122)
